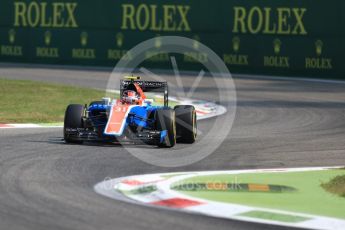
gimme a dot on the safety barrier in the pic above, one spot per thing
(287, 37)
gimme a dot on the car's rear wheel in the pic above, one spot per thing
(165, 120)
(186, 126)
(73, 119)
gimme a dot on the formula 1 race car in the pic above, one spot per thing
(132, 118)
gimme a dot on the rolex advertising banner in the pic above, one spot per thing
(286, 37)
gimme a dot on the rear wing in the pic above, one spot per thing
(148, 86)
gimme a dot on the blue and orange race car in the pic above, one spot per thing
(132, 118)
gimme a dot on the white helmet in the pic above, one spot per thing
(130, 97)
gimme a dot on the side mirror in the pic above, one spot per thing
(106, 100)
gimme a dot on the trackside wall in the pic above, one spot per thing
(286, 37)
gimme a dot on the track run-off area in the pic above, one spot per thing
(47, 184)
(283, 196)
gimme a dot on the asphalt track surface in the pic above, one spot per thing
(46, 184)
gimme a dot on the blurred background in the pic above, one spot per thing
(287, 37)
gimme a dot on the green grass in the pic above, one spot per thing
(140, 190)
(336, 186)
(24, 101)
(274, 216)
(310, 197)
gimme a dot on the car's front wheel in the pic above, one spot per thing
(73, 119)
(165, 120)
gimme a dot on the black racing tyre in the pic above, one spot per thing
(186, 125)
(165, 120)
(73, 119)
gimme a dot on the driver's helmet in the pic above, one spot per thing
(130, 97)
